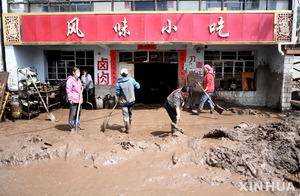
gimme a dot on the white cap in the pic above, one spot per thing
(124, 71)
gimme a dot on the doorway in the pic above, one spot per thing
(157, 81)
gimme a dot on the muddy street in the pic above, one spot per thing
(41, 157)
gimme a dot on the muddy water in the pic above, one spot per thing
(40, 157)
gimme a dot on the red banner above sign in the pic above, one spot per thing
(223, 27)
(146, 46)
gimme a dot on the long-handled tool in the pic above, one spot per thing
(78, 109)
(50, 115)
(105, 122)
(87, 98)
(218, 108)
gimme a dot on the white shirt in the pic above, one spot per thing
(88, 79)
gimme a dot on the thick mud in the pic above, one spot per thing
(41, 157)
(267, 152)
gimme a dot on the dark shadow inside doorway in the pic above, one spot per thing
(157, 81)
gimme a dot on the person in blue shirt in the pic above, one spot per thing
(125, 92)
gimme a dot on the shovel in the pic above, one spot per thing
(218, 108)
(50, 115)
(87, 98)
(105, 122)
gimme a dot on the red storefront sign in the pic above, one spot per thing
(194, 27)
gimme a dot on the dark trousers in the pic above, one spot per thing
(127, 113)
(72, 114)
(171, 111)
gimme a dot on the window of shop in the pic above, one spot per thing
(232, 68)
(20, 6)
(61, 63)
(148, 56)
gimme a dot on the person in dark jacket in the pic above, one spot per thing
(125, 92)
(175, 103)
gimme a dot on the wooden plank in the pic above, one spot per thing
(295, 103)
(3, 81)
(292, 51)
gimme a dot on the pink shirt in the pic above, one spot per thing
(73, 89)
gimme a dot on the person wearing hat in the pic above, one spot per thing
(209, 87)
(125, 92)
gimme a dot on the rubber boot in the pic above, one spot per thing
(173, 129)
(127, 126)
(199, 110)
(212, 109)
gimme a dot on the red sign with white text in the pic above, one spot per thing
(194, 27)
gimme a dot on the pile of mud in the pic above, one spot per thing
(267, 152)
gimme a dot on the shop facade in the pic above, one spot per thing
(162, 50)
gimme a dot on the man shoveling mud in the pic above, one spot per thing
(174, 104)
(125, 92)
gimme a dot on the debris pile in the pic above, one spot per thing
(267, 152)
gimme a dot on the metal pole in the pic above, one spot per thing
(155, 6)
(2, 40)
(133, 5)
(199, 5)
(222, 5)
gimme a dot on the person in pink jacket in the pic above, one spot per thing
(209, 87)
(73, 94)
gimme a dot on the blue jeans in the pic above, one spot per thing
(204, 98)
(73, 113)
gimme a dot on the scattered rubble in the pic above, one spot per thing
(267, 152)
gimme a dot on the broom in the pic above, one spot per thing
(105, 122)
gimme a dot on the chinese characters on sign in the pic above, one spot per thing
(192, 58)
(147, 47)
(212, 28)
(122, 31)
(168, 29)
(103, 75)
(103, 64)
(182, 59)
(73, 28)
(113, 66)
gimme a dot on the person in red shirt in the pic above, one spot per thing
(209, 87)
